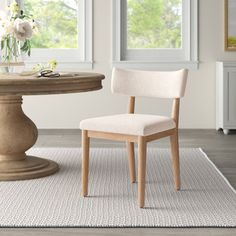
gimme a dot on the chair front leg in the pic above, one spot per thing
(142, 149)
(85, 162)
(131, 159)
(175, 159)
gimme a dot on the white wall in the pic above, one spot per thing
(198, 106)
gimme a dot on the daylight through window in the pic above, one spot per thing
(57, 20)
(154, 23)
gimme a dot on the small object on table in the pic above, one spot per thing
(48, 74)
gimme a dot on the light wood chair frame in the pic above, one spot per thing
(142, 150)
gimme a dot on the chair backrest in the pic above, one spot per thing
(160, 84)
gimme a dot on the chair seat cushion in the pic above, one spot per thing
(132, 124)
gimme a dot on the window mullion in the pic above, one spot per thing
(88, 31)
(186, 29)
(81, 28)
(124, 32)
(116, 29)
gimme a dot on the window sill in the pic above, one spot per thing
(152, 65)
(64, 66)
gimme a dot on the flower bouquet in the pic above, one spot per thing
(16, 30)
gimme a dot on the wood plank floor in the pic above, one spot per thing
(221, 150)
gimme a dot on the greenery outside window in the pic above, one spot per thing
(65, 32)
(58, 21)
(155, 33)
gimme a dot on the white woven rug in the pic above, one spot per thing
(206, 198)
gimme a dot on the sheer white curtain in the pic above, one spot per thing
(3, 5)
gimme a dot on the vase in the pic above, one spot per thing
(11, 57)
(11, 67)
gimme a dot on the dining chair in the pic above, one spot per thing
(140, 128)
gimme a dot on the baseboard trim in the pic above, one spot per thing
(59, 131)
(78, 131)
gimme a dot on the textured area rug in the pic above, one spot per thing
(206, 198)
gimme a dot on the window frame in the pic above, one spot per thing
(81, 58)
(156, 58)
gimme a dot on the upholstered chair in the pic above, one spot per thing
(140, 128)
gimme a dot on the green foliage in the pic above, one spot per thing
(26, 47)
(57, 20)
(232, 41)
(11, 47)
(154, 23)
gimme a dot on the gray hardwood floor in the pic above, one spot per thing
(221, 150)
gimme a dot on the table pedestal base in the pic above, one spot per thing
(29, 168)
(18, 134)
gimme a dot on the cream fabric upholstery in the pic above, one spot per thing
(133, 124)
(138, 83)
(160, 84)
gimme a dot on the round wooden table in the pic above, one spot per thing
(18, 133)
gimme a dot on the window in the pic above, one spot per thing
(65, 31)
(58, 23)
(151, 33)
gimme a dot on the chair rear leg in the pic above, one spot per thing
(142, 149)
(85, 162)
(175, 159)
(130, 149)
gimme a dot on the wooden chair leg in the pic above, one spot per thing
(142, 149)
(85, 162)
(130, 149)
(175, 159)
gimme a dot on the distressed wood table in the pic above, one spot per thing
(18, 133)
